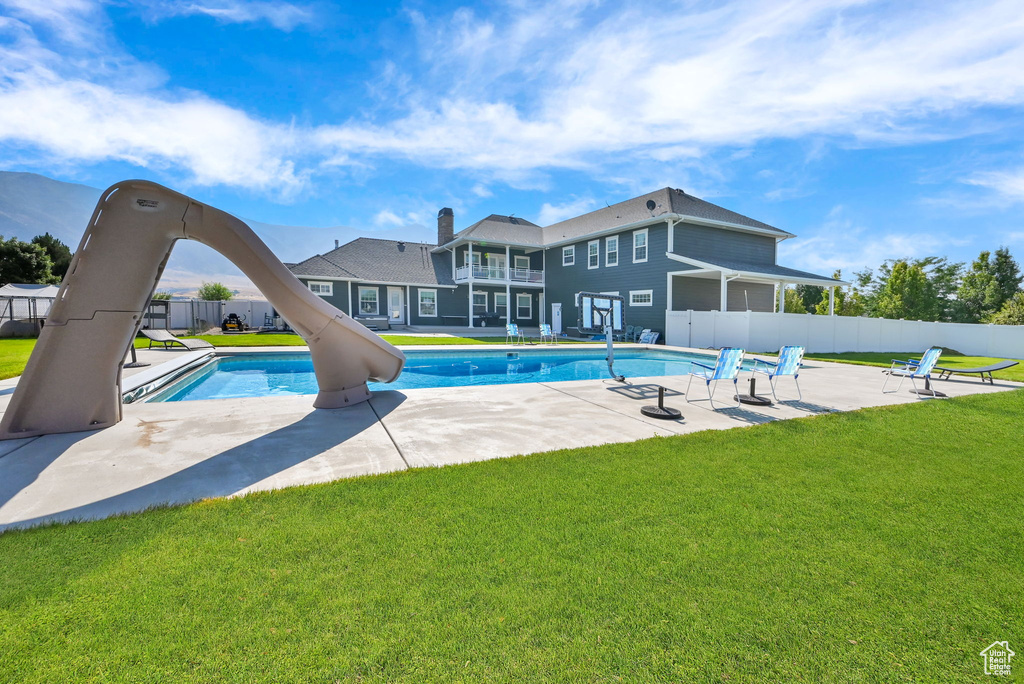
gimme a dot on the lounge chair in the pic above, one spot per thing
(727, 367)
(945, 373)
(167, 339)
(913, 369)
(546, 334)
(649, 337)
(625, 335)
(789, 363)
(512, 334)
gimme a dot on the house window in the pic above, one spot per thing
(641, 297)
(524, 305)
(368, 301)
(428, 303)
(569, 255)
(476, 258)
(479, 302)
(639, 246)
(611, 251)
(501, 304)
(322, 289)
(594, 254)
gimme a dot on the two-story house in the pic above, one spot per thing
(662, 251)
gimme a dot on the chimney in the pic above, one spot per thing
(336, 244)
(445, 226)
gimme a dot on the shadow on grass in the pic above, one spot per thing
(219, 475)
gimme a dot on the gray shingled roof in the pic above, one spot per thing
(666, 201)
(373, 260)
(504, 229)
(768, 269)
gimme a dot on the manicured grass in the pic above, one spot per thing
(947, 360)
(882, 545)
(14, 355)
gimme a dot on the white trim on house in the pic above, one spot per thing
(569, 251)
(593, 255)
(646, 246)
(419, 298)
(649, 294)
(704, 267)
(608, 251)
(320, 287)
(376, 301)
(529, 300)
(374, 282)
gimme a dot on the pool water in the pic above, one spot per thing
(291, 373)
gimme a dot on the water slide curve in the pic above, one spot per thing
(72, 380)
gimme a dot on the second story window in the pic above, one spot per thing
(594, 254)
(611, 251)
(569, 255)
(639, 246)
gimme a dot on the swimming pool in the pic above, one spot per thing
(291, 373)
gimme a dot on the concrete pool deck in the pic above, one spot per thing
(173, 453)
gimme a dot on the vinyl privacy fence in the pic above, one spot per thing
(762, 332)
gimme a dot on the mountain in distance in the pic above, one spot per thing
(31, 204)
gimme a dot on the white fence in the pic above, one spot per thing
(186, 314)
(761, 332)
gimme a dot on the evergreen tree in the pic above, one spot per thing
(1007, 274)
(59, 253)
(905, 293)
(25, 262)
(810, 295)
(794, 302)
(979, 295)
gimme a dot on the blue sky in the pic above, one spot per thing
(872, 130)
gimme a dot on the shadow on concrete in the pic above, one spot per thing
(646, 391)
(20, 467)
(220, 475)
(807, 406)
(730, 410)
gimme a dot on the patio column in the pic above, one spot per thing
(782, 298)
(724, 304)
(832, 301)
(508, 286)
(469, 263)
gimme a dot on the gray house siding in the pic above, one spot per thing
(563, 282)
(705, 244)
(339, 299)
(704, 294)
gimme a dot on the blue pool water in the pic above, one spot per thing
(291, 373)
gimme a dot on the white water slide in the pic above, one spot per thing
(73, 379)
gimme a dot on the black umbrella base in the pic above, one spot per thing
(927, 391)
(663, 412)
(751, 397)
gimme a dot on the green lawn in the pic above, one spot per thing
(882, 545)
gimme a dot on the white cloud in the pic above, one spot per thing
(530, 88)
(1008, 184)
(553, 213)
(281, 15)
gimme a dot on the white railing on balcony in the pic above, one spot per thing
(515, 275)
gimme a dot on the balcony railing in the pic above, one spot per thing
(515, 275)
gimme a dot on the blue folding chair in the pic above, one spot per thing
(913, 369)
(512, 334)
(727, 367)
(546, 334)
(789, 363)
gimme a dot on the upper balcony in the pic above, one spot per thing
(518, 276)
